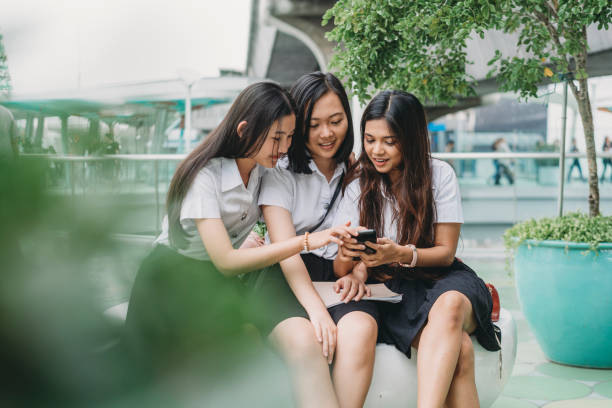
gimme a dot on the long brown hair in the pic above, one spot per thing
(412, 195)
(259, 105)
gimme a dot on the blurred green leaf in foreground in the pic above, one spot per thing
(58, 348)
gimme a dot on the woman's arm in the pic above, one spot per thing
(281, 229)
(231, 262)
(441, 254)
(344, 264)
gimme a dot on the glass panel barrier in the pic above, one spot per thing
(498, 189)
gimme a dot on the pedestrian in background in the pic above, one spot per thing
(607, 161)
(575, 162)
(502, 166)
(449, 148)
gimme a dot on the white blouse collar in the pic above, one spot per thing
(230, 175)
(339, 169)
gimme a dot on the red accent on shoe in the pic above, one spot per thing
(496, 304)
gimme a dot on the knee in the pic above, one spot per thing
(296, 340)
(357, 333)
(465, 363)
(450, 309)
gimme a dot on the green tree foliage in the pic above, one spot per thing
(5, 79)
(420, 46)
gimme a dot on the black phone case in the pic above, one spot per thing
(364, 236)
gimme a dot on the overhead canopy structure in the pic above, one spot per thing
(123, 101)
(134, 104)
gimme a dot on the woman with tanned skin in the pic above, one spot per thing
(413, 203)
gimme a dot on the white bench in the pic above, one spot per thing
(394, 383)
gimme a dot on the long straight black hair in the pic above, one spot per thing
(307, 90)
(259, 105)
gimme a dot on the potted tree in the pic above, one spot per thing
(421, 46)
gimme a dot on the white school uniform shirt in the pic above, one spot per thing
(218, 192)
(447, 200)
(305, 196)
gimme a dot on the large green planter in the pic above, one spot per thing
(565, 292)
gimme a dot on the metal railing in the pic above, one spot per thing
(83, 170)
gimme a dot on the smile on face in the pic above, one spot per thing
(327, 128)
(277, 141)
(382, 147)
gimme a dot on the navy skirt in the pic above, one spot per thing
(270, 284)
(401, 322)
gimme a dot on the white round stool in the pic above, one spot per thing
(394, 383)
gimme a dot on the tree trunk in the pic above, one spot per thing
(586, 115)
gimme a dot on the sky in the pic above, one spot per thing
(55, 45)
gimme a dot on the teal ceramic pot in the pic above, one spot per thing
(565, 292)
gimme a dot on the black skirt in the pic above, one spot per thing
(401, 322)
(181, 306)
(270, 284)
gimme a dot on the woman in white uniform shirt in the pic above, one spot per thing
(413, 202)
(296, 197)
(186, 292)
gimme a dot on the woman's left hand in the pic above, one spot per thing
(253, 241)
(387, 252)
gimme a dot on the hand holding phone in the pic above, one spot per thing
(364, 236)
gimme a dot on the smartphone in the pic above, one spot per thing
(365, 236)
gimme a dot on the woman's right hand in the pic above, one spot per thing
(325, 332)
(338, 234)
(350, 248)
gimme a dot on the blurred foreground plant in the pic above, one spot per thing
(58, 349)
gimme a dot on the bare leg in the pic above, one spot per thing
(462, 391)
(354, 361)
(439, 345)
(295, 338)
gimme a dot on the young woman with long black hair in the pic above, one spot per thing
(413, 203)
(186, 288)
(301, 195)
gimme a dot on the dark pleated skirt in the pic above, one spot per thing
(401, 322)
(270, 284)
(180, 307)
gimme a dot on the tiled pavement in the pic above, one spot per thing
(535, 381)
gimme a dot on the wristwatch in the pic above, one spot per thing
(412, 264)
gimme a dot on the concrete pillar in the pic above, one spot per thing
(40, 127)
(29, 129)
(161, 123)
(64, 132)
(94, 133)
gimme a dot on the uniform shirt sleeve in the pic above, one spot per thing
(348, 208)
(277, 189)
(202, 199)
(447, 196)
